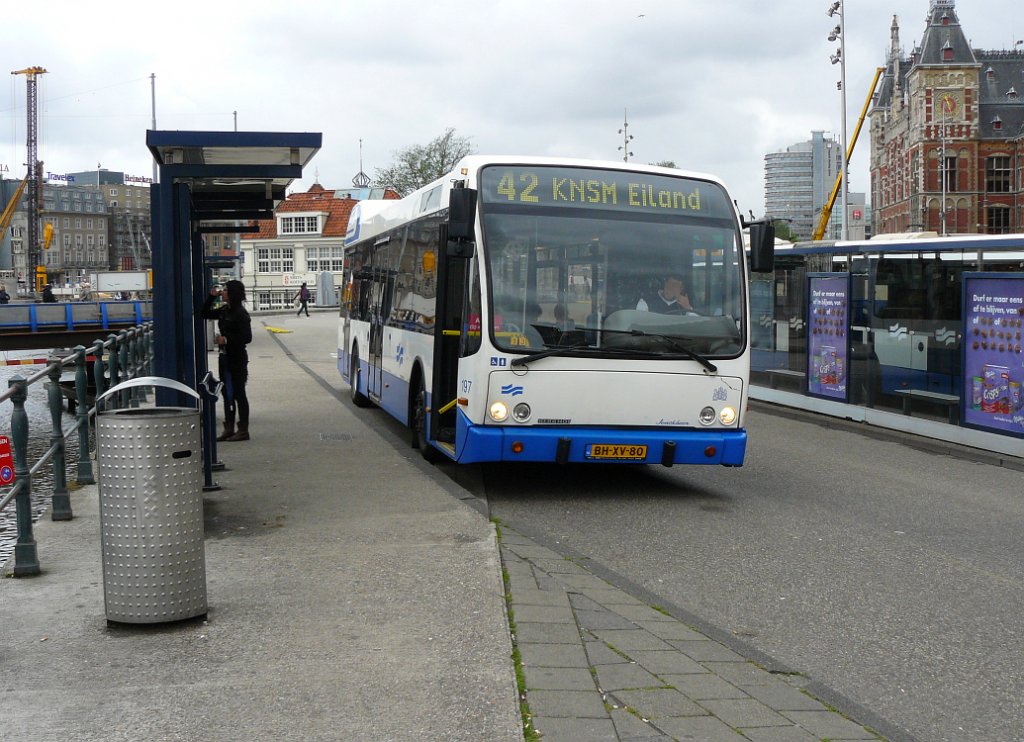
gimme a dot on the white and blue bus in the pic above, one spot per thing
(906, 330)
(510, 312)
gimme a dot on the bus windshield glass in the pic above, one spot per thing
(611, 262)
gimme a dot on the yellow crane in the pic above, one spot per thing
(12, 205)
(826, 210)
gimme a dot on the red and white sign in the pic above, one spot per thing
(6, 461)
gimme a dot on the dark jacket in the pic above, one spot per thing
(5, 298)
(236, 327)
(48, 295)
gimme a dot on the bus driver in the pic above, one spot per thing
(671, 298)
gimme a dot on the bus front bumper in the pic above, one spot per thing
(600, 445)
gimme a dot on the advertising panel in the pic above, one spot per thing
(828, 335)
(993, 365)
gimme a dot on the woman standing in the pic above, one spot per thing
(234, 332)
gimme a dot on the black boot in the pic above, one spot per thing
(229, 430)
(242, 434)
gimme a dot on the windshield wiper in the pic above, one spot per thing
(523, 360)
(686, 351)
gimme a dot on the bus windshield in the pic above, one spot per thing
(610, 261)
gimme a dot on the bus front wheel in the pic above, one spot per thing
(358, 398)
(419, 427)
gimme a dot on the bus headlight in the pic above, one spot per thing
(521, 412)
(498, 412)
(707, 416)
(727, 416)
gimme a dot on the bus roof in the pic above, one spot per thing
(911, 242)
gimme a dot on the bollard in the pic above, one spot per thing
(122, 347)
(112, 366)
(97, 368)
(61, 500)
(26, 557)
(85, 475)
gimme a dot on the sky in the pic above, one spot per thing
(711, 86)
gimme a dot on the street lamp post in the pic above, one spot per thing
(839, 32)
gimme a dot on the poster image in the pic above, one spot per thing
(828, 343)
(993, 363)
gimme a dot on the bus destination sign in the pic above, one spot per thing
(602, 189)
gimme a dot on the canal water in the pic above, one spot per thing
(39, 428)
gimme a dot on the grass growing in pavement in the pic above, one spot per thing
(529, 732)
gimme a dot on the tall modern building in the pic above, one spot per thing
(947, 134)
(799, 180)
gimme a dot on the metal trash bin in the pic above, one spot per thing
(150, 469)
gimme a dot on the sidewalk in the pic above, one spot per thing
(351, 595)
(355, 594)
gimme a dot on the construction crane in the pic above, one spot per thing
(35, 174)
(12, 205)
(826, 210)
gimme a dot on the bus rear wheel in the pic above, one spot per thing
(358, 398)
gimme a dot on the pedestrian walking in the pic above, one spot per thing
(5, 298)
(303, 298)
(234, 332)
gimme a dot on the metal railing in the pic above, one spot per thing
(122, 356)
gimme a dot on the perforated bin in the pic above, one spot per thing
(150, 468)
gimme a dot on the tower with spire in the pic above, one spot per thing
(947, 126)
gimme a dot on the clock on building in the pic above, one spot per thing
(949, 103)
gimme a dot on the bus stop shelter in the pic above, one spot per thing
(208, 182)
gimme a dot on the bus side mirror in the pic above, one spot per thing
(461, 213)
(762, 247)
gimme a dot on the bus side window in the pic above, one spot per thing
(472, 335)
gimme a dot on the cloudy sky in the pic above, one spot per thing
(711, 85)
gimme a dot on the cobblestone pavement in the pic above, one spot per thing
(599, 664)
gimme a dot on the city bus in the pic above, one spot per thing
(497, 313)
(906, 309)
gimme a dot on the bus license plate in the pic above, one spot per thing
(615, 451)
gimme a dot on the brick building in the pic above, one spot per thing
(947, 134)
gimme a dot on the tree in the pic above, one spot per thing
(665, 163)
(417, 165)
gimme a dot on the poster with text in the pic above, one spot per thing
(828, 334)
(992, 361)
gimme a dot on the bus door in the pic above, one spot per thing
(380, 309)
(453, 277)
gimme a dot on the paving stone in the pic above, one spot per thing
(630, 639)
(539, 597)
(567, 704)
(509, 538)
(703, 728)
(581, 602)
(547, 633)
(599, 653)
(547, 582)
(741, 674)
(603, 620)
(666, 661)
(632, 729)
(827, 724)
(608, 595)
(559, 566)
(671, 630)
(782, 697)
(575, 730)
(533, 551)
(744, 712)
(655, 704)
(558, 678)
(779, 734)
(582, 582)
(544, 614)
(707, 651)
(553, 655)
(622, 676)
(704, 687)
(639, 613)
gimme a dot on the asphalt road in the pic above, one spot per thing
(891, 575)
